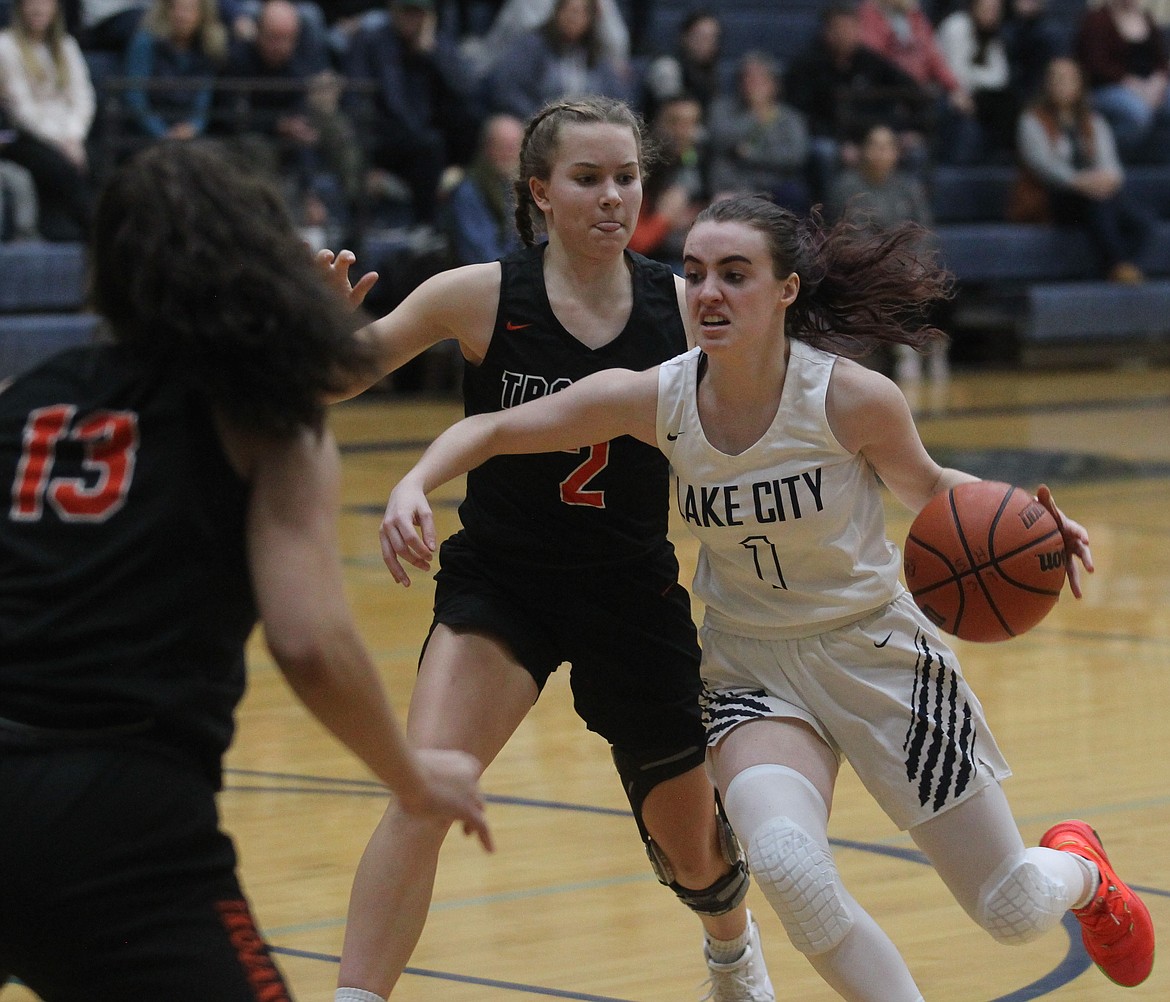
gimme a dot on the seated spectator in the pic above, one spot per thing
(517, 18)
(973, 42)
(677, 188)
(288, 101)
(842, 88)
(481, 207)
(242, 16)
(345, 18)
(421, 116)
(49, 102)
(759, 145)
(176, 54)
(877, 191)
(562, 58)
(106, 26)
(19, 206)
(1033, 39)
(693, 68)
(878, 194)
(467, 19)
(1068, 150)
(902, 33)
(1123, 54)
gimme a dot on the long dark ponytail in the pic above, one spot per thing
(859, 288)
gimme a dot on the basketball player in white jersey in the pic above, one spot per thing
(812, 650)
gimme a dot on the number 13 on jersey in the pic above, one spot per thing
(109, 440)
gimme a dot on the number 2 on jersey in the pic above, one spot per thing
(573, 486)
(110, 443)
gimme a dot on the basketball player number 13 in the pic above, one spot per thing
(109, 440)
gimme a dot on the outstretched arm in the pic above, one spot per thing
(335, 268)
(600, 407)
(296, 570)
(869, 415)
(459, 304)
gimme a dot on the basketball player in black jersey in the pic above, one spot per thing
(164, 490)
(563, 557)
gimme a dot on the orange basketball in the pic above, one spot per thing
(985, 561)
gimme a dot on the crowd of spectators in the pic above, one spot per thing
(409, 111)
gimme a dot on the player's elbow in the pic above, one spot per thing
(305, 649)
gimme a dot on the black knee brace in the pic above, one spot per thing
(642, 770)
(722, 896)
(639, 775)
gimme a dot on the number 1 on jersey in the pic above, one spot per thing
(768, 568)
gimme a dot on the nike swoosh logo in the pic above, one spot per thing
(671, 438)
(515, 327)
(884, 642)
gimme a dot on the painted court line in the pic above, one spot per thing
(1074, 963)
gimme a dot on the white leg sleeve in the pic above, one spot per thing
(1016, 894)
(782, 822)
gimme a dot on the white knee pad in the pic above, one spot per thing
(799, 878)
(1023, 903)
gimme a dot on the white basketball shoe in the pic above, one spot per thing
(743, 980)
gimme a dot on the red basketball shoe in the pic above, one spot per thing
(1115, 926)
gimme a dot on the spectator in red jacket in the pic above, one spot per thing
(903, 34)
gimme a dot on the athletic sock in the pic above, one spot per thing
(1092, 880)
(356, 995)
(728, 951)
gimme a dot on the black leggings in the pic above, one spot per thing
(65, 193)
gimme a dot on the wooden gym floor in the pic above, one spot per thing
(567, 908)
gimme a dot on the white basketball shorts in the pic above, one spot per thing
(885, 692)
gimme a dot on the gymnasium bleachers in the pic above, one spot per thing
(781, 29)
(1040, 282)
(42, 294)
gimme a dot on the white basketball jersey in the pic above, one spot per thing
(792, 530)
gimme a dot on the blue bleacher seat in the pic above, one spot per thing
(991, 252)
(42, 290)
(975, 194)
(1020, 252)
(41, 276)
(979, 193)
(1076, 311)
(28, 338)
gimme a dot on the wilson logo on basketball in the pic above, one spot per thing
(1051, 561)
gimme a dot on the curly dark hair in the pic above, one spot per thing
(196, 266)
(859, 288)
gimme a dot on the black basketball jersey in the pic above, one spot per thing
(125, 594)
(605, 503)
